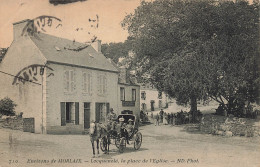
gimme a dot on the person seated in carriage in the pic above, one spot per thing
(121, 129)
(130, 126)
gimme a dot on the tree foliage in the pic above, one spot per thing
(115, 51)
(7, 107)
(198, 49)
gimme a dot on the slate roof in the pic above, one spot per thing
(53, 48)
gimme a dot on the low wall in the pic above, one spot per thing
(229, 126)
(12, 123)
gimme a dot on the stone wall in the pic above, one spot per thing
(12, 123)
(229, 126)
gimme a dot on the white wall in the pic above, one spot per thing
(23, 53)
(152, 94)
(56, 93)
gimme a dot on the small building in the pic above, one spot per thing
(59, 89)
(151, 99)
(128, 92)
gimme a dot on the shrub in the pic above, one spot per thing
(7, 106)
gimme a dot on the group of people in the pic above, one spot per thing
(164, 118)
(122, 127)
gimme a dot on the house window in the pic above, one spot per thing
(143, 95)
(86, 82)
(133, 94)
(69, 81)
(122, 94)
(102, 84)
(143, 106)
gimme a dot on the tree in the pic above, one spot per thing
(115, 51)
(7, 107)
(198, 49)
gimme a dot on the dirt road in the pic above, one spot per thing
(162, 146)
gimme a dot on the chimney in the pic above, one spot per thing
(124, 75)
(18, 28)
(97, 45)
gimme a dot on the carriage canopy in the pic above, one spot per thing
(126, 117)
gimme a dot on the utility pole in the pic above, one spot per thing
(41, 73)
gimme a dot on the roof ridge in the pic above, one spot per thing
(62, 38)
(64, 51)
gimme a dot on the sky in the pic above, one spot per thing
(73, 16)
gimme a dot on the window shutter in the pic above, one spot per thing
(105, 85)
(64, 80)
(89, 83)
(98, 85)
(77, 113)
(63, 115)
(74, 80)
(97, 112)
(83, 81)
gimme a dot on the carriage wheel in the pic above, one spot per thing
(103, 144)
(122, 145)
(138, 140)
(117, 142)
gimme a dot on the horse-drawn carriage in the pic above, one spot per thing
(120, 136)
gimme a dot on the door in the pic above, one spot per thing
(86, 115)
(152, 105)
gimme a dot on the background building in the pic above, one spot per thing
(151, 99)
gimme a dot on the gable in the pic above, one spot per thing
(22, 53)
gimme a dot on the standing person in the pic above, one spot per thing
(157, 120)
(161, 116)
(111, 118)
(152, 117)
(168, 118)
(171, 118)
(165, 118)
(174, 119)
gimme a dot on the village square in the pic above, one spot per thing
(139, 83)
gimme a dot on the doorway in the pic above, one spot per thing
(86, 115)
(152, 105)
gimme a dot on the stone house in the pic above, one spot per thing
(151, 99)
(59, 89)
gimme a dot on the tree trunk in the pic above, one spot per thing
(193, 107)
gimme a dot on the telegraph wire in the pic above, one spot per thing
(20, 78)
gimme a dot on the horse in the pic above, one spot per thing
(99, 131)
(95, 135)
